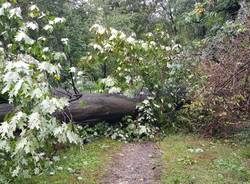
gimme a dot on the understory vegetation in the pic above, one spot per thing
(183, 63)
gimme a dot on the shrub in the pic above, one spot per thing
(28, 69)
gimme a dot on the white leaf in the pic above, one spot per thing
(114, 90)
(45, 66)
(48, 107)
(46, 49)
(16, 12)
(65, 41)
(22, 36)
(32, 25)
(4, 129)
(59, 56)
(22, 144)
(34, 120)
(1, 11)
(16, 171)
(72, 137)
(17, 87)
(4, 145)
(59, 20)
(142, 130)
(72, 70)
(33, 8)
(6, 5)
(10, 77)
(48, 28)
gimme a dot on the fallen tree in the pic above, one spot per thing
(89, 108)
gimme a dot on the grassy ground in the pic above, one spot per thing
(83, 165)
(186, 159)
(193, 160)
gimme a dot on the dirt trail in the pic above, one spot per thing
(135, 164)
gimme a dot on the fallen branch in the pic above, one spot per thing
(89, 108)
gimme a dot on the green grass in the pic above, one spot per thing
(215, 162)
(186, 159)
(79, 165)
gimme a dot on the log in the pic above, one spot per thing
(4, 110)
(90, 108)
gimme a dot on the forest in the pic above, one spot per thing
(124, 91)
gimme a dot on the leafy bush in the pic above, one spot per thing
(154, 70)
(28, 69)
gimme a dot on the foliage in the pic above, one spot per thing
(223, 103)
(127, 130)
(185, 61)
(28, 68)
(131, 65)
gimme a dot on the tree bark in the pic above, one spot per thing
(90, 108)
(4, 110)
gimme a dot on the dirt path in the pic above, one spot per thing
(135, 164)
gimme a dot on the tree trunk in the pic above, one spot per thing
(90, 108)
(4, 110)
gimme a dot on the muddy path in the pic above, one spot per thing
(137, 163)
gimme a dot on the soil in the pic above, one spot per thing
(137, 163)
